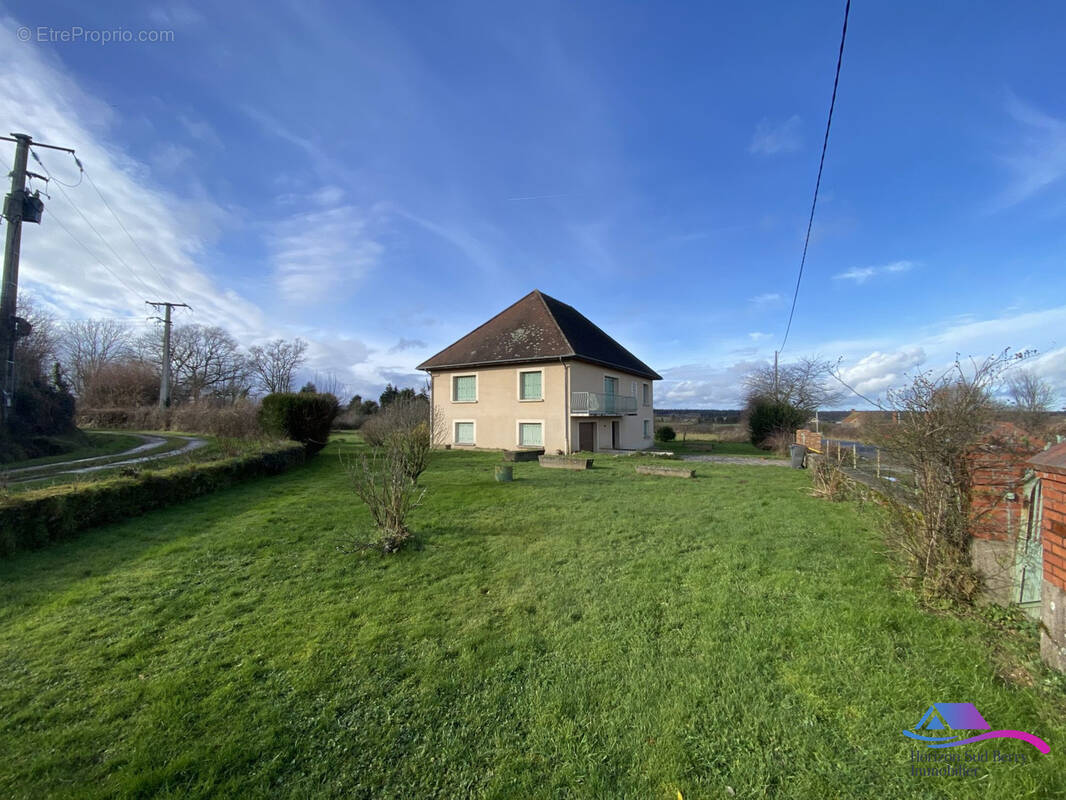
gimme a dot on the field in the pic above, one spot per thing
(572, 634)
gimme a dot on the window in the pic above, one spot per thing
(610, 385)
(464, 389)
(647, 428)
(464, 433)
(647, 394)
(530, 434)
(531, 385)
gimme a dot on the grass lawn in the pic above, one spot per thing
(573, 634)
(707, 446)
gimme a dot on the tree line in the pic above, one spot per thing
(106, 363)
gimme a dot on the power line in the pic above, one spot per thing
(144, 255)
(79, 242)
(818, 182)
(88, 222)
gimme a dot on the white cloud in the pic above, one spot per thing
(765, 300)
(863, 274)
(320, 253)
(878, 371)
(1038, 158)
(758, 336)
(770, 139)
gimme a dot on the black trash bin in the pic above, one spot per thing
(799, 455)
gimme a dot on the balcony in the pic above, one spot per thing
(598, 404)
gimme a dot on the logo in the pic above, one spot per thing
(953, 718)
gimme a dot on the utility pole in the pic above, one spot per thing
(775, 375)
(19, 206)
(164, 383)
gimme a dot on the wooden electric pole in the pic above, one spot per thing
(19, 205)
(164, 381)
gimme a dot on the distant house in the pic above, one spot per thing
(540, 374)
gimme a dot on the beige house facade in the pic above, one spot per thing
(541, 375)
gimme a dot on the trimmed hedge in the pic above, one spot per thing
(37, 518)
(301, 416)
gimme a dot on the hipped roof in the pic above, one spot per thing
(538, 328)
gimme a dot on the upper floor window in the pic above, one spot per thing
(531, 385)
(464, 388)
(646, 388)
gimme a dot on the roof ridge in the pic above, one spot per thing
(544, 298)
(486, 322)
(610, 338)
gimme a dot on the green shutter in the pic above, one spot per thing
(464, 433)
(464, 388)
(529, 434)
(530, 386)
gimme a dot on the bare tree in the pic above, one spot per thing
(803, 384)
(87, 345)
(1032, 398)
(273, 365)
(206, 362)
(942, 417)
(35, 353)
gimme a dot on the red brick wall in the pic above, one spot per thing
(998, 467)
(812, 440)
(1053, 488)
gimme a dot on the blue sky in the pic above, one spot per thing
(381, 178)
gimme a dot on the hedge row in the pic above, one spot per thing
(36, 518)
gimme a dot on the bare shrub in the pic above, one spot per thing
(238, 420)
(406, 423)
(119, 384)
(827, 476)
(780, 442)
(940, 420)
(382, 480)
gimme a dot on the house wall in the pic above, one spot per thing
(497, 411)
(589, 378)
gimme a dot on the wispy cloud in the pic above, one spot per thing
(406, 344)
(773, 138)
(765, 300)
(862, 274)
(320, 253)
(1038, 159)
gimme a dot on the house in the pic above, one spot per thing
(540, 374)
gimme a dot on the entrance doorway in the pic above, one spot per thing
(616, 435)
(586, 436)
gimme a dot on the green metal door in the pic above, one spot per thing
(1029, 552)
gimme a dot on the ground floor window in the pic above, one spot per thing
(530, 434)
(464, 433)
(647, 429)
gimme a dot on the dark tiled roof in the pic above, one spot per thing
(538, 328)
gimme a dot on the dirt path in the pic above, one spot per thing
(83, 465)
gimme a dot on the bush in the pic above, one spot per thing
(140, 418)
(664, 433)
(238, 420)
(35, 518)
(766, 418)
(301, 416)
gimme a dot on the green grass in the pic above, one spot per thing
(573, 634)
(703, 445)
(83, 444)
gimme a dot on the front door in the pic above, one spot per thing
(586, 436)
(615, 444)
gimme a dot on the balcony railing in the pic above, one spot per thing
(600, 404)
